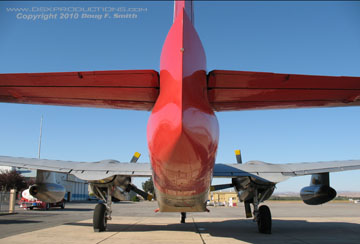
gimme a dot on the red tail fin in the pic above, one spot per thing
(184, 4)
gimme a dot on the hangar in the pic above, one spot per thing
(76, 189)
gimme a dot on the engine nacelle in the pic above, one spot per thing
(319, 191)
(47, 192)
(119, 184)
(317, 194)
(246, 187)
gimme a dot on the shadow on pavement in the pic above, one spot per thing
(59, 210)
(8, 221)
(246, 230)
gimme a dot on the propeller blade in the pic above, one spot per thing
(135, 157)
(145, 195)
(238, 156)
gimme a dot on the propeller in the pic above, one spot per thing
(135, 157)
(225, 186)
(145, 195)
(238, 156)
(132, 187)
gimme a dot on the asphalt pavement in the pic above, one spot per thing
(293, 222)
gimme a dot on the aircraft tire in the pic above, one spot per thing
(264, 220)
(62, 206)
(99, 219)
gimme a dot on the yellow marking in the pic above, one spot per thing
(212, 188)
(237, 152)
(150, 197)
(137, 155)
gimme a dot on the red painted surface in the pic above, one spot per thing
(133, 89)
(182, 129)
(179, 5)
(238, 90)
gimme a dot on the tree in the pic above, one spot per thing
(12, 180)
(135, 199)
(148, 186)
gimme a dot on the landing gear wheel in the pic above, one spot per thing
(47, 206)
(62, 206)
(264, 220)
(100, 218)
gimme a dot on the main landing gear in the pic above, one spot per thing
(102, 212)
(262, 216)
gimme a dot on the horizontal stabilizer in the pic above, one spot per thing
(126, 89)
(240, 90)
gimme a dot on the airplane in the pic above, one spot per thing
(182, 131)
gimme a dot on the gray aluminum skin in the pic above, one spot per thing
(249, 179)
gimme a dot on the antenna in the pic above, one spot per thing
(41, 123)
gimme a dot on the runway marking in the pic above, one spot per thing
(198, 231)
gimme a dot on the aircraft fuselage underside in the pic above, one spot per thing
(182, 131)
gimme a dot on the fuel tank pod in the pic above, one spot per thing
(319, 191)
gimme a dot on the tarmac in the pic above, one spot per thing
(331, 223)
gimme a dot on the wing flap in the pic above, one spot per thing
(320, 167)
(239, 90)
(130, 89)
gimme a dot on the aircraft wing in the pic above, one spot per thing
(279, 172)
(102, 169)
(127, 89)
(83, 170)
(240, 90)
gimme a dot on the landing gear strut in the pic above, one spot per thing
(102, 212)
(183, 217)
(262, 216)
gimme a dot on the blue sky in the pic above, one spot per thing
(320, 38)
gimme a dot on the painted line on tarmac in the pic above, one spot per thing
(198, 230)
